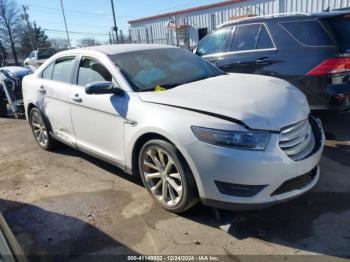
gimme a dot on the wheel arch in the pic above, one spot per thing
(29, 108)
(147, 136)
(141, 140)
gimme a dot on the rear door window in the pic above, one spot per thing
(310, 32)
(265, 41)
(214, 43)
(246, 37)
(341, 31)
(251, 37)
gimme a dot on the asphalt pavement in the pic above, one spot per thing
(68, 203)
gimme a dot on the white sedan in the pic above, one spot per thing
(189, 130)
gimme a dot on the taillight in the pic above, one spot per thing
(331, 66)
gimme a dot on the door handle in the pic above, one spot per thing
(262, 60)
(76, 98)
(42, 90)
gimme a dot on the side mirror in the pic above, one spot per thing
(102, 88)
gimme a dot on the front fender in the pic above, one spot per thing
(174, 124)
(131, 143)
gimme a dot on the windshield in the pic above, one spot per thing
(160, 69)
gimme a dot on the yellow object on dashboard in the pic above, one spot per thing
(159, 88)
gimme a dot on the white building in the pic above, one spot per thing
(186, 27)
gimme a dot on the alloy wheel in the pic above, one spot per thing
(162, 176)
(39, 129)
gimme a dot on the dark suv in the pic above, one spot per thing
(312, 51)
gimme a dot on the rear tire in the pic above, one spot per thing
(166, 176)
(40, 129)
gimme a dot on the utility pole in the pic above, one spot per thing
(29, 27)
(110, 38)
(65, 23)
(115, 22)
(121, 36)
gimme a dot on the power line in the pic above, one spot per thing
(73, 11)
(57, 12)
(72, 24)
(73, 15)
(74, 32)
(76, 25)
(68, 11)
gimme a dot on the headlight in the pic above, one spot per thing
(12, 75)
(255, 140)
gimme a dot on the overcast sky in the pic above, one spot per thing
(93, 18)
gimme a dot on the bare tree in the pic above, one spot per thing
(88, 41)
(3, 55)
(59, 43)
(11, 24)
(39, 36)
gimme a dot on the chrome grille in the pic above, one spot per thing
(297, 140)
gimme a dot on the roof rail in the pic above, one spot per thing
(340, 9)
(262, 16)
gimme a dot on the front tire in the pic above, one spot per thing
(3, 107)
(167, 177)
(40, 129)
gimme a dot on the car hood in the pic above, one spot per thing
(17, 71)
(259, 102)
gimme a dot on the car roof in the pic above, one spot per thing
(285, 16)
(116, 49)
(265, 18)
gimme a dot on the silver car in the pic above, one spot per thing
(38, 57)
(189, 130)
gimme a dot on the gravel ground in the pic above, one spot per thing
(68, 203)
